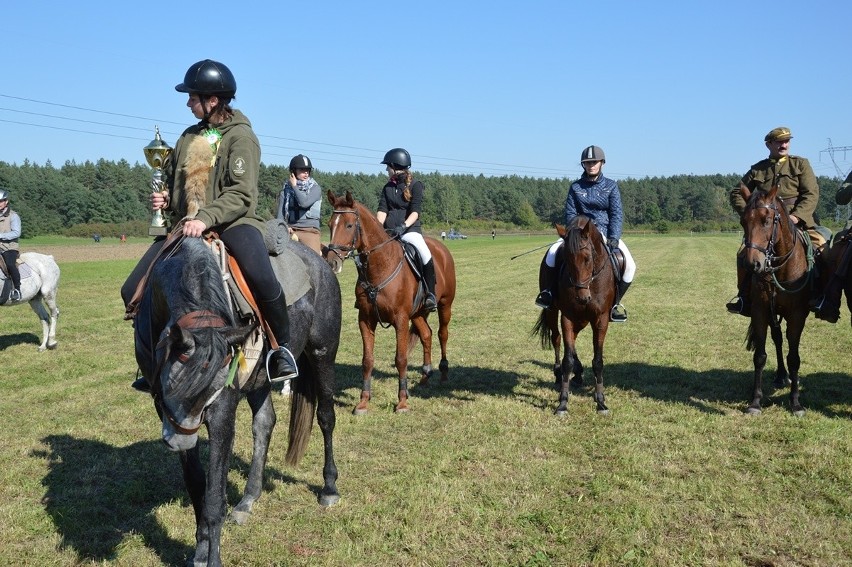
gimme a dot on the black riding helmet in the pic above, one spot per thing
(397, 158)
(593, 153)
(301, 162)
(208, 78)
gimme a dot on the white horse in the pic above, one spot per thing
(39, 282)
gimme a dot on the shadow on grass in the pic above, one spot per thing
(97, 495)
(820, 392)
(7, 341)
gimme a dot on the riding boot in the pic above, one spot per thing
(430, 303)
(280, 362)
(827, 307)
(546, 286)
(741, 304)
(618, 313)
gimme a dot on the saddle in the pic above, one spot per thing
(414, 261)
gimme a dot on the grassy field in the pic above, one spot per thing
(480, 472)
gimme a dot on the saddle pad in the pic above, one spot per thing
(24, 269)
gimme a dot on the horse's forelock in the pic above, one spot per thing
(200, 369)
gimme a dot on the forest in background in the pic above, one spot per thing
(112, 198)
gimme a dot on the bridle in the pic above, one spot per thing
(202, 319)
(596, 270)
(772, 263)
(361, 259)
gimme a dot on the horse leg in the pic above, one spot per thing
(368, 341)
(53, 310)
(794, 334)
(326, 418)
(196, 485)
(569, 337)
(598, 336)
(401, 363)
(262, 423)
(551, 321)
(758, 340)
(38, 307)
(424, 331)
(782, 378)
(445, 313)
(220, 431)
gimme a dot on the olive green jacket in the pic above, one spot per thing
(795, 180)
(231, 196)
(844, 195)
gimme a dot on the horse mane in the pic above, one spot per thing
(191, 281)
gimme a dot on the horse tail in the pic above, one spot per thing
(413, 339)
(303, 405)
(542, 330)
(750, 337)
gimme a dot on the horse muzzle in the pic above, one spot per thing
(175, 441)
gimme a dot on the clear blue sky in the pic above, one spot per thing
(492, 87)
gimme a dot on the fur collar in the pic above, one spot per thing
(196, 168)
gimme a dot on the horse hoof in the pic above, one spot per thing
(240, 518)
(403, 409)
(603, 412)
(561, 412)
(799, 413)
(360, 411)
(329, 499)
(52, 346)
(753, 411)
(42, 349)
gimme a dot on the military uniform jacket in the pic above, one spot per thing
(231, 195)
(10, 230)
(797, 186)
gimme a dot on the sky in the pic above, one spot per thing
(494, 88)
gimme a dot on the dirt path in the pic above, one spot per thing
(101, 251)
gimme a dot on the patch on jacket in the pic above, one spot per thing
(239, 166)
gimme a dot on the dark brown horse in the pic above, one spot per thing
(388, 293)
(584, 295)
(834, 266)
(777, 254)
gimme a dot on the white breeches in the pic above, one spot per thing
(629, 263)
(416, 239)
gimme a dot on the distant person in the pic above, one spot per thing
(10, 232)
(493, 234)
(598, 198)
(300, 202)
(211, 180)
(399, 211)
(797, 188)
(828, 306)
(443, 235)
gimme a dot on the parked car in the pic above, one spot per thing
(455, 235)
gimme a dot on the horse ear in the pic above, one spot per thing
(772, 193)
(561, 231)
(349, 199)
(237, 335)
(181, 340)
(744, 191)
(331, 197)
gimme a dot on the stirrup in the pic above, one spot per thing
(429, 303)
(15, 295)
(618, 313)
(141, 385)
(544, 299)
(737, 306)
(823, 310)
(283, 351)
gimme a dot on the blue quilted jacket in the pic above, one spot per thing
(600, 200)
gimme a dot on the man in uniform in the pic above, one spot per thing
(797, 188)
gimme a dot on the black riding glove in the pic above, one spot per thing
(612, 243)
(398, 231)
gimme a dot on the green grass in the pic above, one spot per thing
(480, 472)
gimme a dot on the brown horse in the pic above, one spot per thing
(834, 267)
(777, 254)
(585, 294)
(388, 293)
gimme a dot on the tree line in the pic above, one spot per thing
(112, 198)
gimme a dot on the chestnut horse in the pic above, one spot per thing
(779, 258)
(585, 294)
(388, 293)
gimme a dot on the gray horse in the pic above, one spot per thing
(39, 283)
(188, 344)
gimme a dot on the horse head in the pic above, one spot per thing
(581, 253)
(196, 353)
(344, 227)
(768, 230)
